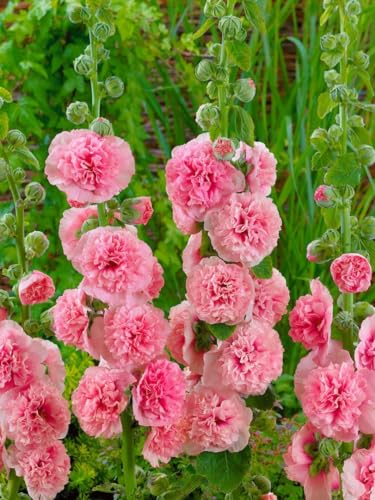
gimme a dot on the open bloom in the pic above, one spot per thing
(158, 399)
(298, 462)
(71, 224)
(35, 288)
(191, 256)
(100, 399)
(45, 468)
(311, 318)
(220, 292)
(197, 181)
(218, 420)
(52, 363)
(352, 273)
(117, 267)
(87, 167)
(365, 352)
(358, 478)
(164, 443)
(247, 362)
(271, 298)
(262, 167)
(245, 229)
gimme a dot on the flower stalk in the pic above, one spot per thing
(127, 453)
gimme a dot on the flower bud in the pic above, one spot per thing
(13, 272)
(85, 14)
(4, 299)
(224, 149)
(101, 126)
(366, 155)
(36, 244)
(15, 138)
(262, 483)
(340, 93)
(230, 26)
(205, 70)
(362, 310)
(83, 65)
(344, 322)
(324, 196)
(356, 121)
(207, 116)
(319, 464)
(35, 193)
(3, 170)
(331, 237)
(343, 39)
(211, 90)
(319, 139)
(328, 42)
(241, 35)
(75, 13)
(367, 228)
(319, 251)
(77, 112)
(19, 175)
(221, 73)
(113, 204)
(214, 50)
(103, 53)
(4, 232)
(244, 89)
(215, 8)
(353, 8)
(331, 77)
(136, 210)
(102, 31)
(157, 484)
(89, 225)
(114, 86)
(31, 327)
(328, 447)
(46, 319)
(335, 132)
(361, 60)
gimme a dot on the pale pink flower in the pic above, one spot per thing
(35, 288)
(262, 167)
(34, 415)
(197, 181)
(158, 399)
(3, 313)
(271, 298)
(117, 267)
(70, 318)
(311, 318)
(53, 363)
(358, 478)
(184, 222)
(298, 463)
(44, 468)
(247, 362)
(143, 207)
(156, 284)
(71, 224)
(164, 443)
(191, 256)
(100, 399)
(88, 167)
(20, 357)
(135, 336)
(352, 273)
(220, 292)
(245, 229)
(218, 420)
(365, 352)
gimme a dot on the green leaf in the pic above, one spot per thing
(344, 171)
(331, 217)
(4, 125)
(241, 125)
(263, 402)
(254, 14)
(27, 157)
(326, 15)
(364, 105)
(263, 269)
(369, 246)
(6, 95)
(331, 58)
(322, 160)
(325, 104)
(224, 470)
(221, 331)
(204, 28)
(239, 54)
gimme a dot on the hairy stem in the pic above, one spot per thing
(127, 453)
(14, 484)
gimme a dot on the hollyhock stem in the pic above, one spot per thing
(14, 484)
(128, 458)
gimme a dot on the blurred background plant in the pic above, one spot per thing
(155, 52)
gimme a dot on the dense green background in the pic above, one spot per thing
(154, 53)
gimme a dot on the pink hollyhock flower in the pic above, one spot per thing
(143, 207)
(20, 357)
(271, 298)
(35, 288)
(184, 222)
(220, 292)
(358, 478)
(298, 463)
(117, 267)
(245, 229)
(3, 313)
(135, 336)
(100, 399)
(34, 415)
(197, 181)
(156, 284)
(223, 148)
(70, 318)
(365, 352)
(323, 196)
(191, 256)
(71, 224)
(53, 363)
(218, 420)
(158, 399)
(87, 167)
(268, 496)
(164, 443)
(247, 362)
(352, 273)
(44, 468)
(262, 167)
(311, 318)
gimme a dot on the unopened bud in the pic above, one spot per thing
(102, 31)
(19, 175)
(343, 39)
(362, 310)
(212, 90)
(205, 70)
(353, 8)
(340, 93)
(324, 196)
(10, 221)
(361, 60)
(328, 447)
(5, 233)
(366, 155)
(331, 77)
(157, 484)
(3, 170)
(13, 272)
(35, 193)
(328, 42)
(77, 112)
(83, 65)
(75, 13)
(46, 319)
(136, 210)
(356, 121)
(335, 132)
(244, 89)
(36, 244)
(224, 149)
(367, 228)
(15, 138)
(101, 126)
(319, 251)
(207, 116)
(89, 225)
(344, 322)
(31, 327)
(319, 139)
(230, 26)
(114, 86)
(262, 483)
(215, 8)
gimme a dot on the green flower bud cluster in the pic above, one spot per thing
(101, 126)
(36, 244)
(34, 194)
(78, 112)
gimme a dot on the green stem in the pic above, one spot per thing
(127, 453)
(14, 484)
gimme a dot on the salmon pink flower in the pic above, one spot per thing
(352, 273)
(365, 352)
(271, 298)
(164, 443)
(261, 166)
(35, 288)
(358, 478)
(71, 224)
(191, 256)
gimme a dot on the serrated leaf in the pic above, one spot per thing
(331, 217)
(4, 125)
(241, 125)
(263, 402)
(322, 160)
(263, 269)
(27, 157)
(221, 331)
(325, 104)
(239, 54)
(331, 58)
(254, 14)
(344, 171)
(224, 470)
(5, 94)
